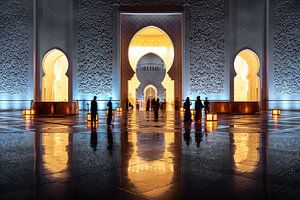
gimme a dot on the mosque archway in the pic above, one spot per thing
(55, 81)
(246, 81)
(150, 93)
(151, 41)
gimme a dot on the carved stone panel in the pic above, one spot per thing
(207, 47)
(95, 30)
(206, 43)
(286, 25)
(14, 47)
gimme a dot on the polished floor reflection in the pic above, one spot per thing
(238, 157)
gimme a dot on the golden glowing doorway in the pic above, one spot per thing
(55, 82)
(150, 92)
(246, 81)
(151, 39)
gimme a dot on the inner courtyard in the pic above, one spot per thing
(240, 156)
(160, 99)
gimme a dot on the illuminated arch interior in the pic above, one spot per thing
(151, 39)
(55, 82)
(150, 92)
(246, 81)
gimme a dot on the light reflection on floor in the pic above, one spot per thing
(238, 157)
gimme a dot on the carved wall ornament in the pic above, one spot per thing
(14, 47)
(207, 47)
(286, 26)
(95, 43)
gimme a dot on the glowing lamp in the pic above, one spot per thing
(193, 112)
(275, 117)
(182, 109)
(211, 126)
(89, 117)
(119, 109)
(211, 117)
(28, 112)
(275, 112)
(89, 124)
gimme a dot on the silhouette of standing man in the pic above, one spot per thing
(153, 104)
(148, 105)
(94, 109)
(206, 106)
(187, 110)
(109, 113)
(198, 109)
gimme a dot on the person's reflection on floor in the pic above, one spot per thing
(110, 140)
(187, 133)
(198, 134)
(94, 139)
(156, 109)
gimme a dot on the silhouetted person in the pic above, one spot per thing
(109, 141)
(94, 109)
(156, 108)
(130, 106)
(206, 106)
(148, 105)
(126, 104)
(152, 104)
(187, 134)
(109, 113)
(187, 110)
(198, 134)
(198, 108)
(94, 139)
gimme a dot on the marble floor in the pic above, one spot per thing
(238, 157)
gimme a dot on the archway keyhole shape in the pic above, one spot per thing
(55, 81)
(151, 39)
(150, 92)
(246, 81)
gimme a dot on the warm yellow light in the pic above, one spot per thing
(89, 124)
(182, 109)
(55, 82)
(246, 81)
(150, 91)
(151, 39)
(28, 112)
(24, 112)
(89, 117)
(275, 117)
(246, 155)
(55, 156)
(211, 117)
(142, 167)
(211, 125)
(276, 112)
(193, 112)
(119, 109)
